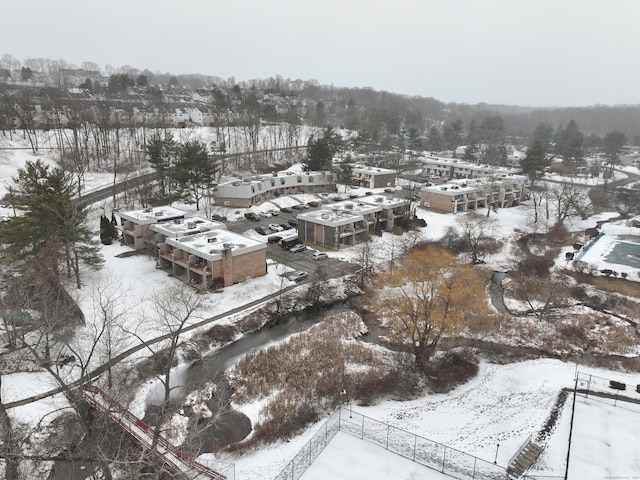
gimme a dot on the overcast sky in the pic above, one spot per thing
(522, 52)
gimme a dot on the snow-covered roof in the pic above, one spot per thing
(151, 215)
(186, 226)
(211, 245)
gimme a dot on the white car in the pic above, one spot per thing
(273, 212)
(275, 227)
(265, 214)
(319, 255)
(297, 276)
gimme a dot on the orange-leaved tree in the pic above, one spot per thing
(430, 295)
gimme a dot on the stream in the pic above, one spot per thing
(227, 425)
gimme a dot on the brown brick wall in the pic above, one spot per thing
(436, 202)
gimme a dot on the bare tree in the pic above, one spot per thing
(473, 235)
(571, 201)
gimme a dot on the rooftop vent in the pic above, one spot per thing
(212, 240)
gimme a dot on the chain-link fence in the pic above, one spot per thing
(431, 454)
(609, 391)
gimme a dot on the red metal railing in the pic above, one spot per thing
(171, 456)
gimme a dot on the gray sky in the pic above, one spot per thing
(523, 52)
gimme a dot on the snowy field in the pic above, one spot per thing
(502, 406)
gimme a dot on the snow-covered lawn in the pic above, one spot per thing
(497, 410)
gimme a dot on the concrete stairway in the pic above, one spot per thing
(523, 459)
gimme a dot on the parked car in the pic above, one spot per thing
(286, 210)
(313, 204)
(297, 276)
(219, 218)
(263, 230)
(368, 192)
(298, 206)
(274, 238)
(286, 243)
(252, 216)
(353, 195)
(273, 212)
(319, 255)
(275, 227)
(293, 222)
(298, 247)
(389, 190)
(265, 214)
(285, 226)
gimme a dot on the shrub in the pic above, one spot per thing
(617, 385)
(451, 370)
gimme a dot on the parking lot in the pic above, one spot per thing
(329, 267)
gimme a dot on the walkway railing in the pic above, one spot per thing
(171, 456)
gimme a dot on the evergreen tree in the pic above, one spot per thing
(161, 152)
(435, 142)
(195, 172)
(50, 217)
(535, 161)
(320, 151)
(612, 145)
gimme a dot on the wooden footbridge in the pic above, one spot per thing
(168, 454)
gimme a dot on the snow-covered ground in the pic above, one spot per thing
(503, 405)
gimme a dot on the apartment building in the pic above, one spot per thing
(373, 177)
(254, 190)
(213, 259)
(464, 195)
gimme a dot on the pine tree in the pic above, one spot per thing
(195, 172)
(535, 162)
(50, 216)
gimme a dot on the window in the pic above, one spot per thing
(299, 179)
(273, 183)
(282, 181)
(310, 179)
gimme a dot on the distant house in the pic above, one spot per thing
(257, 189)
(454, 168)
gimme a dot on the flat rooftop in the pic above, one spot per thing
(181, 227)
(211, 245)
(151, 215)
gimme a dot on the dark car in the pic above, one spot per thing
(313, 204)
(274, 239)
(298, 206)
(285, 226)
(252, 216)
(368, 192)
(286, 210)
(219, 218)
(263, 230)
(293, 222)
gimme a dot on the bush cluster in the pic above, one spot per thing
(452, 369)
